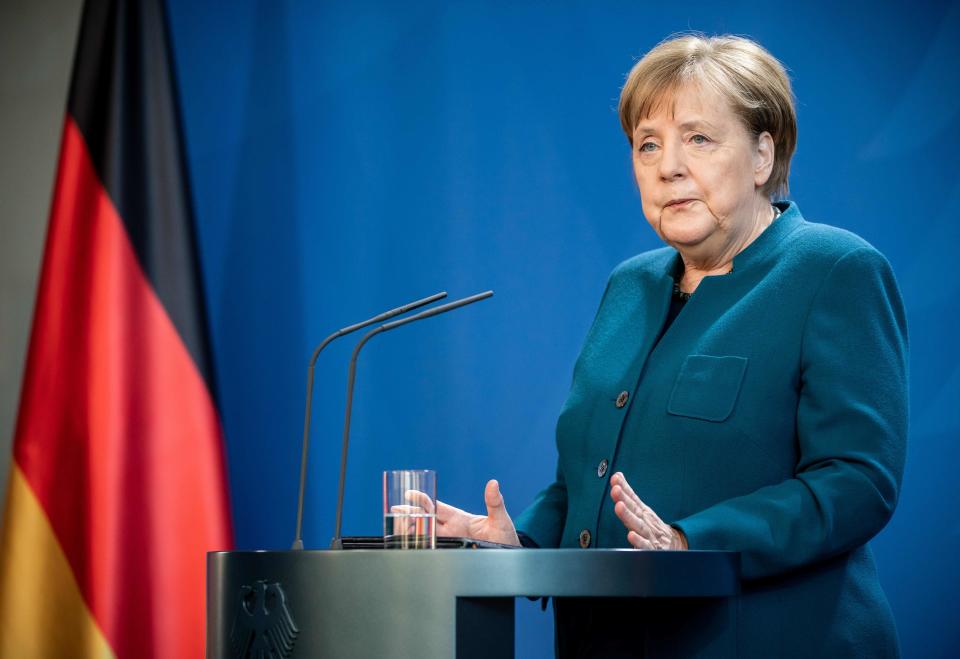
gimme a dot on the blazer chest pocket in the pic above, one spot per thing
(707, 387)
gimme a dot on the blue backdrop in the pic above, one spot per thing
(350, 156)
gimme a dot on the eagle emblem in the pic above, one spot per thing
(263, 627)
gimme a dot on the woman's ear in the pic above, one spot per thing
(763, 159)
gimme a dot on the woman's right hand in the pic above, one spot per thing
(495, 526)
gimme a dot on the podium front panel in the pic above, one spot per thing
(440, 603)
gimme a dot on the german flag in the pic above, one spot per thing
(118, 486)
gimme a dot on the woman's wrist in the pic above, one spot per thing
(681, 538)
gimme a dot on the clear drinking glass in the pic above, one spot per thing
(409, 509)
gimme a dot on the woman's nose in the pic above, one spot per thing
(672, 164)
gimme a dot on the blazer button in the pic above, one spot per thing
(584, 538)
(602, 468)
(622, 399)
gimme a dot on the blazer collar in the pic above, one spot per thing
(761, 249)
(766, 244)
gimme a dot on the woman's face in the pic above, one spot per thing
(700, 171)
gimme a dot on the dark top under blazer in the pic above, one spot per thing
(770, 419)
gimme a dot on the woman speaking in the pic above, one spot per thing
(743, 388)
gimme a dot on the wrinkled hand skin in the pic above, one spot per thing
(645, 529)
(495, 526)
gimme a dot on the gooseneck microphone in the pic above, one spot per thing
(337, 542)
(298, 539)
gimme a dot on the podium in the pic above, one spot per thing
(447, 603)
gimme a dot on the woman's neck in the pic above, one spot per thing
(696, 266)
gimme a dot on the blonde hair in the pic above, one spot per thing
(752, 80)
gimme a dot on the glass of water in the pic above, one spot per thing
(409, 509)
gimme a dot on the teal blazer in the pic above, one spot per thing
(770, 419)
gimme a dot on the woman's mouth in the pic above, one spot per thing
(679, 203)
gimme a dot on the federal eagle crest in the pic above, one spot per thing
(263, 627)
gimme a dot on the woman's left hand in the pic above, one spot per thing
(645, 529)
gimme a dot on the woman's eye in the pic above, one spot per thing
(647, 147)
(699, 139)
